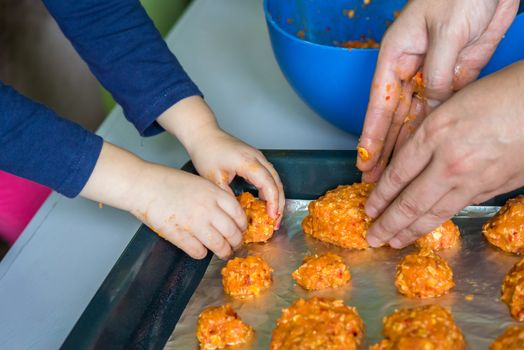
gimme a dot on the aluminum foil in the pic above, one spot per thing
(475, 301)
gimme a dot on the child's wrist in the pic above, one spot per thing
(190, 120)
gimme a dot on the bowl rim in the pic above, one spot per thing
(271, 21)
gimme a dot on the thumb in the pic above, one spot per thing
(439, 65)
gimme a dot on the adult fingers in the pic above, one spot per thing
(474, 57)
(439, 64)
(402, 111)
(403, 168)
(415, 200)
(411, 122)
(455, 200)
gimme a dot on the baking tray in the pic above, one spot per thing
(145, 294)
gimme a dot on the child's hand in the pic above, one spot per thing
(187, 210)
(218, 156)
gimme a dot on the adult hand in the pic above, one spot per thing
(450, 42)
(466, 151)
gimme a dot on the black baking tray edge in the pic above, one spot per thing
(144, 295)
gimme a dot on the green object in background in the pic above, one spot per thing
(164, 14)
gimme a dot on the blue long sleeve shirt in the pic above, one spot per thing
(128, 56)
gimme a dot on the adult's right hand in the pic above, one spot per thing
(450, 41)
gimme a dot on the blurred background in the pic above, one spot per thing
(38, 61)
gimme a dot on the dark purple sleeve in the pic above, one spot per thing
(127, 54)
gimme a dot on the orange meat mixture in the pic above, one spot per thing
(429, 327)
(219, 327)
(513, 290)
(338, 217)
(260, 225)
(424, 274)
(318, 323)
(445, 236)
(506, 229)
(511, 339)
(246, 277)
(322, 271)
(366, 43)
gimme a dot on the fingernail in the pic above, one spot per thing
(374, 242)
(371, 211)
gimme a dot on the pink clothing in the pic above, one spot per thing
(20, 199)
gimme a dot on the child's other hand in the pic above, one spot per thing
(219, 157)
(189, 211)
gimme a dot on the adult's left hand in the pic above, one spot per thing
(466, 151)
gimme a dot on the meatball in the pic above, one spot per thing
(513, 290)
(511, 339)
(219, 327)
(318, 323)
(338, 217)
(322, 271)
(246, 277)
(421, 328)
(260, 226)
(506, 229)
(443, 237)
(424, 274)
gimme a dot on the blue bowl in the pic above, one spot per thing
(335, 81)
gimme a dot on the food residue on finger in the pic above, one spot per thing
(260, 225)
(363, 153)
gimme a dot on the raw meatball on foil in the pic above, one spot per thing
(338, 217)
(245, 278)
(260, 226)
(423, 274)
(445, 236)
(513, 290)
(506, 229)
(421, 328)
(219, 327)
(322, 271)
(511, 339)
(318, 324)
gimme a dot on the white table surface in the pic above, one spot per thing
(54, 269)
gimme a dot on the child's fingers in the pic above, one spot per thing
(280, 186)
(189, 244)
(227, 227)
(232, 208)
(261, 178)
(214, 241)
